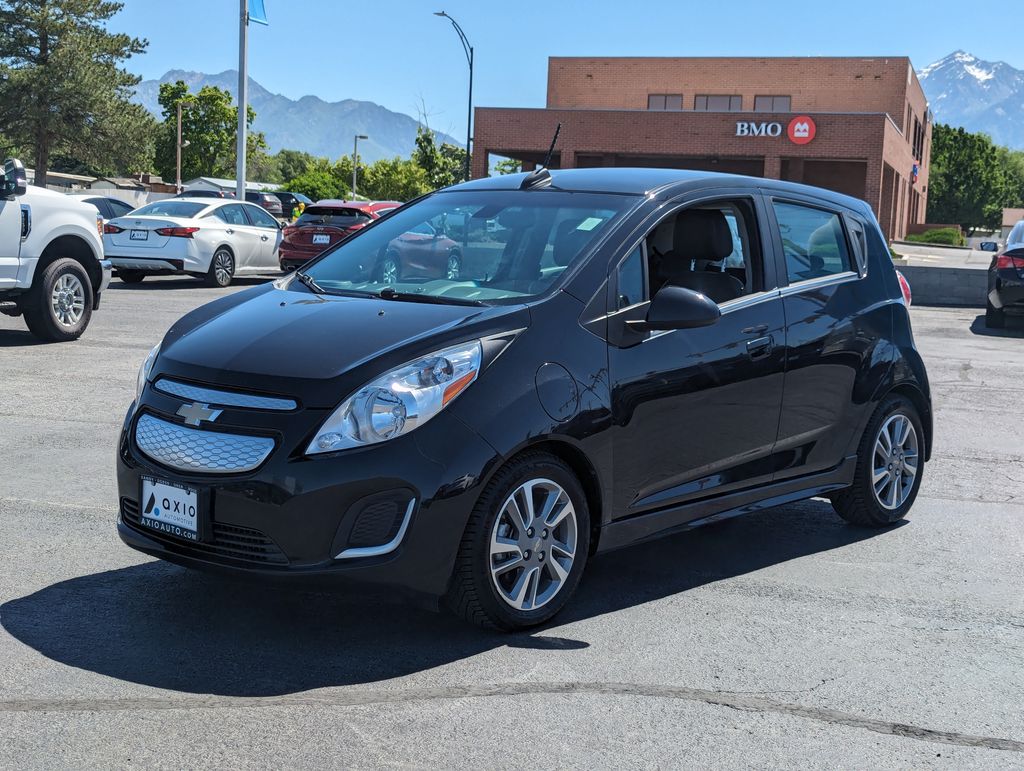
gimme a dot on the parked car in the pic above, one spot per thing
(204, 193)
(324, 224)
(211, 239)
(424, 251)
(52, 269)
(1006, 280)
(618, 368)
(268, 201)
(290, 200)
(106, 206)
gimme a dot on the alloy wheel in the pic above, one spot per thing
(533, 544)
(895, 460)
(453, 268)
(68, 299)
(223, 267)
(389, 271)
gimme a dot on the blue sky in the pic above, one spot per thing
(396, 53)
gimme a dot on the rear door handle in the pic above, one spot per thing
(760, 347)
(229, 231)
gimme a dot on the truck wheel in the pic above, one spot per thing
(131, 276)
(525, 546)
(59, 304)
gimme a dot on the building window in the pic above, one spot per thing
(772, 104)
(918, 140)
(718, 102)
(665, 102)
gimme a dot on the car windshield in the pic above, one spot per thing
(333, 215)
(485, 246)
(170, 208)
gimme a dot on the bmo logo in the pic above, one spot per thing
(800, 130)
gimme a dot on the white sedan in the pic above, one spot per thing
(214, 239)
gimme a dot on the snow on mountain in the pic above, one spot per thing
(979, 95)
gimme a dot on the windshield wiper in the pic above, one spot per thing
(309, 282)
(390, 293)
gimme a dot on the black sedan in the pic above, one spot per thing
(625, 353)
(1006, 280)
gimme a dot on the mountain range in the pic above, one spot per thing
(309, 124)
(964, 90)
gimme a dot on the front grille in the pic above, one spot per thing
(191, 450)
(231, 542)
(222, 398)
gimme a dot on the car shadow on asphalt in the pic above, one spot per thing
(1014, 327)
(162, 626)
(19, 338)
(165, 283)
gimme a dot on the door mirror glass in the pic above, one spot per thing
(675, 307)
(989, 246)
(14, 180)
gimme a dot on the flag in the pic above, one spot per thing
(257, 13)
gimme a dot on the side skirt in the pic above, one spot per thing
(645, 527)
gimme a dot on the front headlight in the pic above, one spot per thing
(403, 399)
(144, 372)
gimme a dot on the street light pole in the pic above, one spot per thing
(355, 161)
(180, 146)
(469, 58)
(243, 98)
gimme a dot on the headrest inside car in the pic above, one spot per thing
(702, 234)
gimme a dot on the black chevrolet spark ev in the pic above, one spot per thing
(616, 354)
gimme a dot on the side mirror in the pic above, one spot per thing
(15, 180)
(675, 307)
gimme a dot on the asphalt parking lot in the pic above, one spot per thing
(781, 638)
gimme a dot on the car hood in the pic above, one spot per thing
(315, 348)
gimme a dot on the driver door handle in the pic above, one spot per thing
(263, 238)
(760, 347)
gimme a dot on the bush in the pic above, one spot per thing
(943, 236)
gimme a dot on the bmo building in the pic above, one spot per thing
(860, 126)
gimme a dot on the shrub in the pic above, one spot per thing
(943, 236)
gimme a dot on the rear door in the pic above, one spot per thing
(243, 237)
(832, 328)
(269, 234)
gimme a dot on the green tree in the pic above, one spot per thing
(62, 89)
(209, 122)
(292, 163)
(967, 184)
(508, 166)
(396, 179)
(444, 164)
(317, 183)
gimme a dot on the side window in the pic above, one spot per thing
(260, 218)
(712, 248)
(232, 214)
(103, 207)
(631, 281)
(812, 240)
(119, 209)
(857, 240)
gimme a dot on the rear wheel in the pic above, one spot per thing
(525, 546)
(131, 276)
(222, 268)
(454, 267)
(59, 305)
(890, 463)
(995, 318)
(389, 270)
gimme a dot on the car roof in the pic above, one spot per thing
(337, 203)
(661, 183)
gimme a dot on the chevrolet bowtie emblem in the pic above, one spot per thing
(196, 413)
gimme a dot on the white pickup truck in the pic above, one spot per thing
(52, 269)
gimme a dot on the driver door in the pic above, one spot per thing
(696, 411)
(10, 238)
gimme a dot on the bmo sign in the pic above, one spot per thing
(800, 130)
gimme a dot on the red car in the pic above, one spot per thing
(324, 224)
(423, 252)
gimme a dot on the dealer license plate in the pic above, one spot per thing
(139, 235)
(170, 508)
(321, 239)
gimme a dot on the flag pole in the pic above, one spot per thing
(243, 96)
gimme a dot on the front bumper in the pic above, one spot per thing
(301, 518)
(106, 271)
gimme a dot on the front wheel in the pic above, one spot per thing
(890, 463)
(390, 272)
(222, 268)
(525, 546)
(995, 318)
(454, 267)
(59, 305)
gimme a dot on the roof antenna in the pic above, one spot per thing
(541, 177)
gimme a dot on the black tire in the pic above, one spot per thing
(473, 594)
(131, 276)
(222, 258)
(995, 318)
(858, 503)
(48, 322)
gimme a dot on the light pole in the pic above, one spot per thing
(180, 145)
(355, 161)
(469, 58)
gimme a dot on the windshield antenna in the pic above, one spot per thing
(541, 177)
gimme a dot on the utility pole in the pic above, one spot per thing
(355, 161)
(243, 96)
(180, 146)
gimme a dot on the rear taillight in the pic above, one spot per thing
(905, 288)
(1010, 262)
(176, 232)
(112, 229)
(288, 232)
